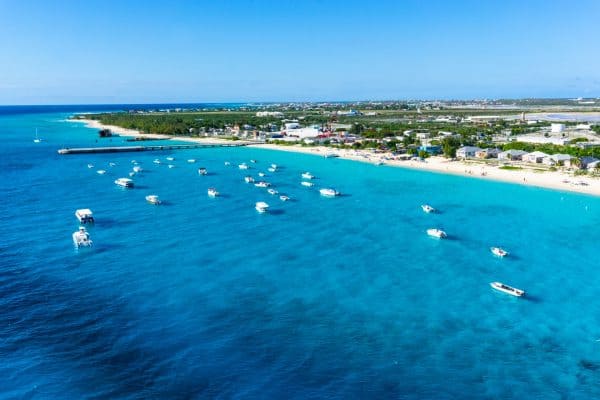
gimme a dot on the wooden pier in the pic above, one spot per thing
(124, 149)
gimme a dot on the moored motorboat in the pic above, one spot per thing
(274, 166)
(438, 233)
(253, 161)
(272, 169)
(170, 158)
(272, 191)
(156, 161)
(283, 197)
(191, 160)
(243, 166)
(307, 184)
(112, 164)
(137, 168)
(427, 208)
(497, 251)
(132, 174)
(249, 179)
(153, 199)
(507, 289)
(90, 166)
(171, 166)
(84, 215)
(101, 172)
(212, 192)
(202, 171)
(308, 175)
(261, 174)
(262, 184)
(328, 192)
(124, 182)
(331, 155)
(227, 163)
(81, 238)
(261, 207)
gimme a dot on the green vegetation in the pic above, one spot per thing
(510, 167)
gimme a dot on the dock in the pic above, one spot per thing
(126, 149)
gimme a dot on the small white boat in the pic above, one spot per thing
(81, 238)
(308, 175)
(227, 163)
(272, 169)
(497, 251)
(202, 171)
(191, 160)
(111, 164)
(37, 138)
(283, 197)
(331, 155)
(171, 166)
(170, 158)
(507, 289)
(253, 161)
(261, 174)
(90, 166)
(327, 192)
(249, 179)
(261, 207)
(243, 166)
(84, 215)
(124, 182)
(137, 169)
(212, 192)
(133, 162)
(307, 184)
(262, 184)
(427, 208)
(274, 166)
(132, 174)
(153, 199)
(272, 191)
(101, 172)
(157, 161)
(438, 233)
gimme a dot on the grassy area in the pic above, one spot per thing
(511, 167)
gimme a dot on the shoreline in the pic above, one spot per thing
(555, 180)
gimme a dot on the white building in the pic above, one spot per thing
(302, 133)
(557, 128)
(467, 151)
(277, 114)
(511, 154)
(535, 157)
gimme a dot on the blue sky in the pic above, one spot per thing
(67, 52)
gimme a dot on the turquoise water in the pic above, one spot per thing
(320, 298)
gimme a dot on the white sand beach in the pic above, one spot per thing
(559, 180)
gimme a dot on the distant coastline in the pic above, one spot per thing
(556, 180)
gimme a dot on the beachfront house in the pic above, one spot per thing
(513, 155)
(467, 151)
(487, 153)
(535, 157)
(558, 159)
(589, 162)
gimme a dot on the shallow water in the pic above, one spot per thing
(320, 298)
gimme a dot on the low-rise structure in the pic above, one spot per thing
(487, 153)
(467, 151)
(558, 159)
(535, 157)
(513, 155)
(585, 162)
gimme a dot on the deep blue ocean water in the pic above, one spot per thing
(321, 298)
